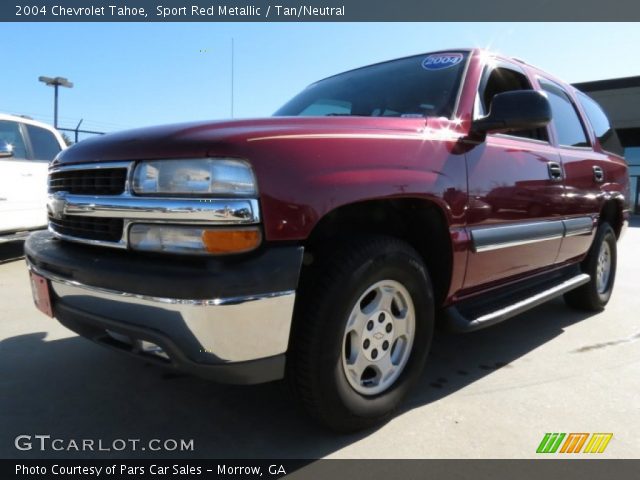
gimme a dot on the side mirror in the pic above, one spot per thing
(515, 110)
(6, 150)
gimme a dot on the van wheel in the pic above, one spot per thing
(600, 264)
(363, 327)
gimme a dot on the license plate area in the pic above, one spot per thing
(41, 292)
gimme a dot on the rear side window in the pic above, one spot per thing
(10, 134)
(43, 142)
(565, 117)
(600, 123)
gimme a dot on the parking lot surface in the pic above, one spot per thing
(489, 394)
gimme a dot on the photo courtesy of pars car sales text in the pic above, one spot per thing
(116, 469)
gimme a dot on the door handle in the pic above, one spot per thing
(555, 171)
(598, 174)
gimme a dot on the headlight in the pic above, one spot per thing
(207, 177)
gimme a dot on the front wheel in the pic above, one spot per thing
(364, 323)
(600, 264)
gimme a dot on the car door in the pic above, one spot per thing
(16, 178)
(583, 171)
(23, 181)
(515, 192)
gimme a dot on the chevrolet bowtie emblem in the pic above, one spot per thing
(57, 204)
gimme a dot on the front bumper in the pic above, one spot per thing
(228, 320)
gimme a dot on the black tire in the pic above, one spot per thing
(329, 290)
(587, 297)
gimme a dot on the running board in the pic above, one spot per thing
(458, 322)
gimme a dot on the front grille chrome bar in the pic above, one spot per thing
(189, 210)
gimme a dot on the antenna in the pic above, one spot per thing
(232, 53)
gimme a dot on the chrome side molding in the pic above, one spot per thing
(578, 226)
(504, 236)
(492, 238)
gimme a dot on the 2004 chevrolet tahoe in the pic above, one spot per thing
(323, 244)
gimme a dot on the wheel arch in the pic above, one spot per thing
(420, 222)
(612, 213)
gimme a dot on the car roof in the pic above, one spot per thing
(35, 123)
(28, 121)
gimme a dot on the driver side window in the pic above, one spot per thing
(499, 80)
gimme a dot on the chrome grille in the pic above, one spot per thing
(88, 228)
(95, 181)
(93, 204)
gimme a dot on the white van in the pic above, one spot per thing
(26, 148)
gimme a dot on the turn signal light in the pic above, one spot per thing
(231, 241)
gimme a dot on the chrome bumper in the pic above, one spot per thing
(212, 331)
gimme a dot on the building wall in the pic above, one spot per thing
(620, 98)
(632, 156)
(622, 106)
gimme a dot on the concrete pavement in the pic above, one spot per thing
(490, 394)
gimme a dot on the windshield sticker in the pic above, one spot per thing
(439, 61)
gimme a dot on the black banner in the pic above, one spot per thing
(575, 469)
(317, 10)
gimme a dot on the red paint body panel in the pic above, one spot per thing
(508, 183)
(308, 166)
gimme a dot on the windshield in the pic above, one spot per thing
(424, 85)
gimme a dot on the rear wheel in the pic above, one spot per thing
(364, 323)
(600, 264)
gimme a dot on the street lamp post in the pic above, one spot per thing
(55, 83)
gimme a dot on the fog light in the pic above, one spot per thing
(193, 240)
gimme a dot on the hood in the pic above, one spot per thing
(201, 139)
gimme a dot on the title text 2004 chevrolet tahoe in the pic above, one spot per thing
(322, 244)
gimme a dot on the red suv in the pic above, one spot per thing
(324, 244)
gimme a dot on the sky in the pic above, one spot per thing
(137, 74)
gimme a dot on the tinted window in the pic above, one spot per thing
(424, 85)
(565, 117)
(44, 144)
(499, 80)
(600, 124)
(10, 134)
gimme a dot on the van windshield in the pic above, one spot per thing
(420, 86)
